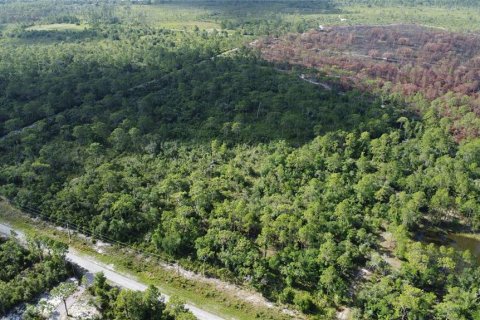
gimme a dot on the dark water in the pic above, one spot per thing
(464, 242)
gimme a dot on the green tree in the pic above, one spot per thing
(63, 291)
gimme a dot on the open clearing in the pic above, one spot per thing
(58, 27)
(175, 17)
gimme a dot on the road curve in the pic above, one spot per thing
(92, 266)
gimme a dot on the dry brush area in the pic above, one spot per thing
(409, 59)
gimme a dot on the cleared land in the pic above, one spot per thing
(58, 27)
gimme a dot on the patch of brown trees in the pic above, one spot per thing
(412, 58)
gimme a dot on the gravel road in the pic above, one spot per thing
(92, 266)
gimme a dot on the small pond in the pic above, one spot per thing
(463, 241)
(458, 241)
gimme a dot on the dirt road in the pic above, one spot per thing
(92, 266)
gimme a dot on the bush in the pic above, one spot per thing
(304, 302)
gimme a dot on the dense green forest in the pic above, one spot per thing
(185, 143)
(27, 272)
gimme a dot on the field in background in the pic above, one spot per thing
(459, 19)
(58, 27)
(253, 18)
(174, 16)
(207, 15)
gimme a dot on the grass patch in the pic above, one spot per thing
(208, 15)
(459, 20)
(171, 16)
(58, 27)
